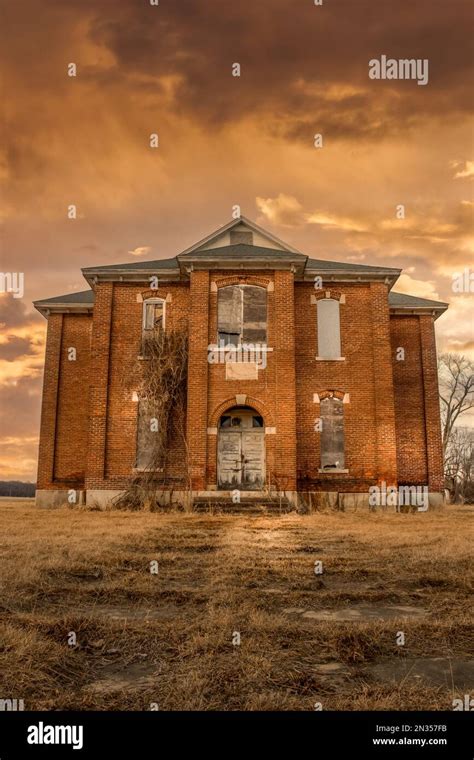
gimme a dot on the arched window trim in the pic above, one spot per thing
(321, 327)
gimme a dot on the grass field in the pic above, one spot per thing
(169, 639)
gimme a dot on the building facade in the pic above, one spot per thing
(304, 376)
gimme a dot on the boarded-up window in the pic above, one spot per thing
(147, 433)
(332, 434)
(242, 314)
(329, 329)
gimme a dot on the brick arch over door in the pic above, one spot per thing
(331, 394)
(249, 401)
(245, 279)
(270, 440)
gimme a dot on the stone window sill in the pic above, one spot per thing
(324, 359)
(333, 471)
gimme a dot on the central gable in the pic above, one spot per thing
(240, 231)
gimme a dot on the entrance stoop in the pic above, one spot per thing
(248, 505)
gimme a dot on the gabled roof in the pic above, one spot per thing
(227, 246)
(245, 223)
(231, 247)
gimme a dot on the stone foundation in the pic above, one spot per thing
(50, 498)
(307, 501)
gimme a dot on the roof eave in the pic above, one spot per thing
(95, 275)
(434, 311)
(200, 263)
(350, 275)
(45, 309)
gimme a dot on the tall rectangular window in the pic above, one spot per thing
(153, 319)
(147, 434)
(332, 434)
(242, 314)
(329, 329)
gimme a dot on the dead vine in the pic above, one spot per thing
(159, 378)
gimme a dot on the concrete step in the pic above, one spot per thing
(246, 506)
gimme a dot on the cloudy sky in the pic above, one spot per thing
(226, 140)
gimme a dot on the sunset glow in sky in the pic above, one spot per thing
(226, 140)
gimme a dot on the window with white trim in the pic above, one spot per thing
(329, 329)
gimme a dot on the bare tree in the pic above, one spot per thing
(459, 464)
(456, 391)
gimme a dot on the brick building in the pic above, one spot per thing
(304, 376)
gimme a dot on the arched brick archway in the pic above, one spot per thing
(331, 394)
(244, 279)
(217, 413)
(249, 401)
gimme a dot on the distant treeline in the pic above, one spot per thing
(16, 488)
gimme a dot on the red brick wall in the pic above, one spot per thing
(283, 330)
(49, 402)
(198, 378)
(73, 400)
(386, 444)
(115, 348)
(99, 385)
(365, 375)
(409, 400)
(432, 411)
(273, 393)
(100, 421)
(419, 443)
(64, 418)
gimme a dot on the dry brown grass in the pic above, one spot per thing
(167, 638)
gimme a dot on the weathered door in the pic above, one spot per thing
(253, 464)
(229, 459)
(241, 453)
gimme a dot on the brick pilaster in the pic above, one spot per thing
(386, 444)
(198, 368)
(99, 388)
(434, 448)
(285, 385)
(49, 405)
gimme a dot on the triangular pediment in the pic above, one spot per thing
(241, 231)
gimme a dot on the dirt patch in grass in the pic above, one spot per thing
(360, 613)
(433, 671)
(211, 630)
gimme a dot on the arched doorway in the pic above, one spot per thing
(241, 450)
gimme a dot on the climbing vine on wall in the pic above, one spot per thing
(159, 379)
